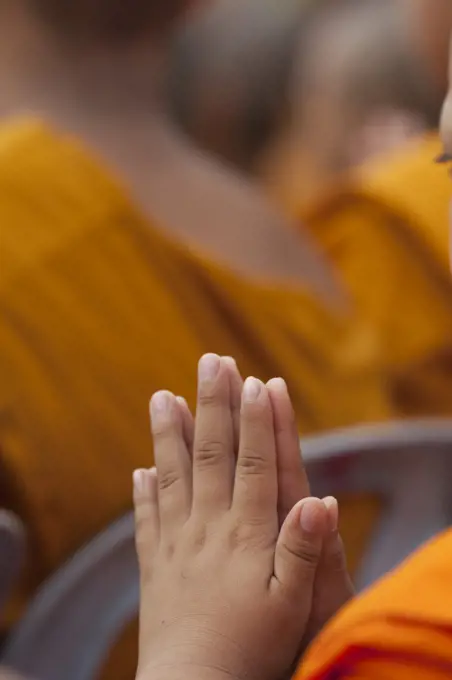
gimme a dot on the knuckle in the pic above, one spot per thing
(252, 534)
(167, 479)
(209, 396)
(252, 462)
(199, 538)
(143, 515)
(163, 431)
(168, 549)
(141, 530)
(309, 554)
(143, 504)
(209, 452)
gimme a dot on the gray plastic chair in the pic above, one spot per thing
(12, 553)
(409, 463)
(79, 612)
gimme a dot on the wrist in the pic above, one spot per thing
(177, 671)
(194, 652)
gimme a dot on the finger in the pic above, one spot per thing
(333, 586)
(213, 446)
(293, 483)
(333, 557)
(235, 396)
(145, 500)
(299, 547)
(188, 424)
(256, 484)
(171, 459)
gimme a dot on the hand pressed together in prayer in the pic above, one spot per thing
(240, 567)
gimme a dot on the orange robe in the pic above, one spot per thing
(386, 232)
(98, 310)
(401, 629)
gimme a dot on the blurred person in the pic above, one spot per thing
(294, 94)
(300, 97)
(315, 99)
(389, 634)
(383, 228)
(125, 253)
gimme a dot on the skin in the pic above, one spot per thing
(235, 556)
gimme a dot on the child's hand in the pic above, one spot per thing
(333, 586)
(224, 591)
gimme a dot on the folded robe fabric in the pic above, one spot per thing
(400, 629)
(386, 232)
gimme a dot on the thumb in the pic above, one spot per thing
(299, 545)
(333, 586)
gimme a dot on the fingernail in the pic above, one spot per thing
(251, 389)
(182, 401)
(279, 384)
(312, 515)
(139, 481)
(209, 367)
(333, 512)
(160, 403)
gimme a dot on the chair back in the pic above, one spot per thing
(408, 464)
(79, 613)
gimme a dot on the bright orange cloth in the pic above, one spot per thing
(401, 629)
(99, 309)
(386, 232)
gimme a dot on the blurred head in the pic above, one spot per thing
(229, 75)
(253, 80)
(116, 22)
(358, 88)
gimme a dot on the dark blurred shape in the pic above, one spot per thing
(429, 23)
(12, 553)
(230, 74)
(249, 75)
(111, 21)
